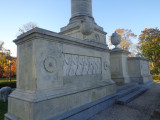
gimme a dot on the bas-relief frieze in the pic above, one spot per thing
(145, 68)
(76, 65)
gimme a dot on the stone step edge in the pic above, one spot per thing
(124, 100)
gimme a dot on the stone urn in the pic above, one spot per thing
(87, 28)
(115, 39)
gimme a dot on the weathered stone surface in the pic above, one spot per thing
(81, 7)
(63, 73)
(115, 39)
(82, 24)
(139, 69)
(119, 66)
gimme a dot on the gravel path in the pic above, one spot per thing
(140, 108)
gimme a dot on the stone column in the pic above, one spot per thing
(82, 24)
(81, 7)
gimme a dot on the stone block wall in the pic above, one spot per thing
(57, 73)
(139, 69)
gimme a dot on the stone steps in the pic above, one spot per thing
(127, 91)
(127, 98)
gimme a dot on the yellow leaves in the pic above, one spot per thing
(126, 35)
(155, 40)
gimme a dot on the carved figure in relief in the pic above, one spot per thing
(90, 71)
(98, 65)
(74, 65)
(86, 66)
(80, 65)
(67, 64)
(94, 65)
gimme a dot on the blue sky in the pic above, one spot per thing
(54, 14)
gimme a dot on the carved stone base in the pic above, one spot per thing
(24, 105)
(119, 66)
(57, 73)
(74, 30)
(121, 80)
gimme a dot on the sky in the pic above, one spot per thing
(54, 14)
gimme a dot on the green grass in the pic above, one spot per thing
(7, 80)
(3, 109)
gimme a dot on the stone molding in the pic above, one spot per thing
(60, 38)
(138, 58)
(119, 50)
(39, 96)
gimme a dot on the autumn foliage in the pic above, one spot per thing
(5, 66)
(126, 36)
(149, 46)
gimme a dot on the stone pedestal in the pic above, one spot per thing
(82, 24)
(57, 73)
(119, 66)
(139, 70)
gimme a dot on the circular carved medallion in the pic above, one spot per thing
(50, 64)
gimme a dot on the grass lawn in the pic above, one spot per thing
(7, 80)
(3, 109)
(4, 106)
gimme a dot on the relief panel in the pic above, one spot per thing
(76, 65)
(145, 68)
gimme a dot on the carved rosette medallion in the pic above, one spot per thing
(50, 64)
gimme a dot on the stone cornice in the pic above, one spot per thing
(42, 33)
(138, 58)
(118, 50)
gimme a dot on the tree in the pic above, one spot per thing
(27, 27)
(5, 61)
(5, 66)
(1, 46)
(149, 46)
(133, 50)
(126, 35)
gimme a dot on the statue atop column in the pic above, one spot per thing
(82, 24)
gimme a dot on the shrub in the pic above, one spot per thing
(156, 77)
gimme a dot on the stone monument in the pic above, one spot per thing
(119, 64)
(82, 24)
(138, 69)
(68, 75)
(57, 73)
